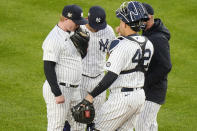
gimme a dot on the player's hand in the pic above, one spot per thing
(59, 99)
(89, 98)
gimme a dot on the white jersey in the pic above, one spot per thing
(125, 55)
(123, 106)
(94, 62)
(59, 48)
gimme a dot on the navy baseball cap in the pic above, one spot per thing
(74, 13)
(149, 8)
(97, 18)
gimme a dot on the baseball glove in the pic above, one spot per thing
(83, 112)
(80, 39)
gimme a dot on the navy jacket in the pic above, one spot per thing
(156, 77)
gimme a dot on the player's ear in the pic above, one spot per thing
(62, 18)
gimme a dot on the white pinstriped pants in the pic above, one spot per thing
(120, 111)
(57, 114)
(147, 120)
(87, 85)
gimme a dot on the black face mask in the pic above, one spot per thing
(143, 26)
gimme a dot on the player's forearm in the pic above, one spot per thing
(49, 70)
(104, 84)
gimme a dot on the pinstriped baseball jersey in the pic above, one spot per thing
(94, 62)
(122, 108)
(58, 47)
(118, 61)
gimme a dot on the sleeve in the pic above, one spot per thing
(162, 57)
(118, 59)
(49, 70)
(104, 84)
(51, 50)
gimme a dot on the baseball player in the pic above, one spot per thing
(156, 77)
(129, 57)
(101, 35)
(62, 68)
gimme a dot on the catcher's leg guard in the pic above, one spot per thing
(66, 126)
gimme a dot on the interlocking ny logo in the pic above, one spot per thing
(103, 45)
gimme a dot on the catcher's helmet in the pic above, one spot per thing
(133, 14)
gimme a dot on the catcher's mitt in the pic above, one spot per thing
(80, 39)
(83, 112)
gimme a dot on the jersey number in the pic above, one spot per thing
(138, 55)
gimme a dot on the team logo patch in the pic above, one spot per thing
(98, 20)
(69, 14)
(103, 46)
(108, 64)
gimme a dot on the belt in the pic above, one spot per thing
(91, 76)
(124, 89)
(65, 84)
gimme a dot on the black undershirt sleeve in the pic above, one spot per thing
(49, 70)
(104, 84)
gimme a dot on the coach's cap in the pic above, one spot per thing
(97, 18)
(149, 8)
(74, 13)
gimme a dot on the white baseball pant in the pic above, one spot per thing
(120, 111)
(57, 114)
(147, 120)
(87, 85)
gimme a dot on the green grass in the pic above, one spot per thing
(24, 24)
